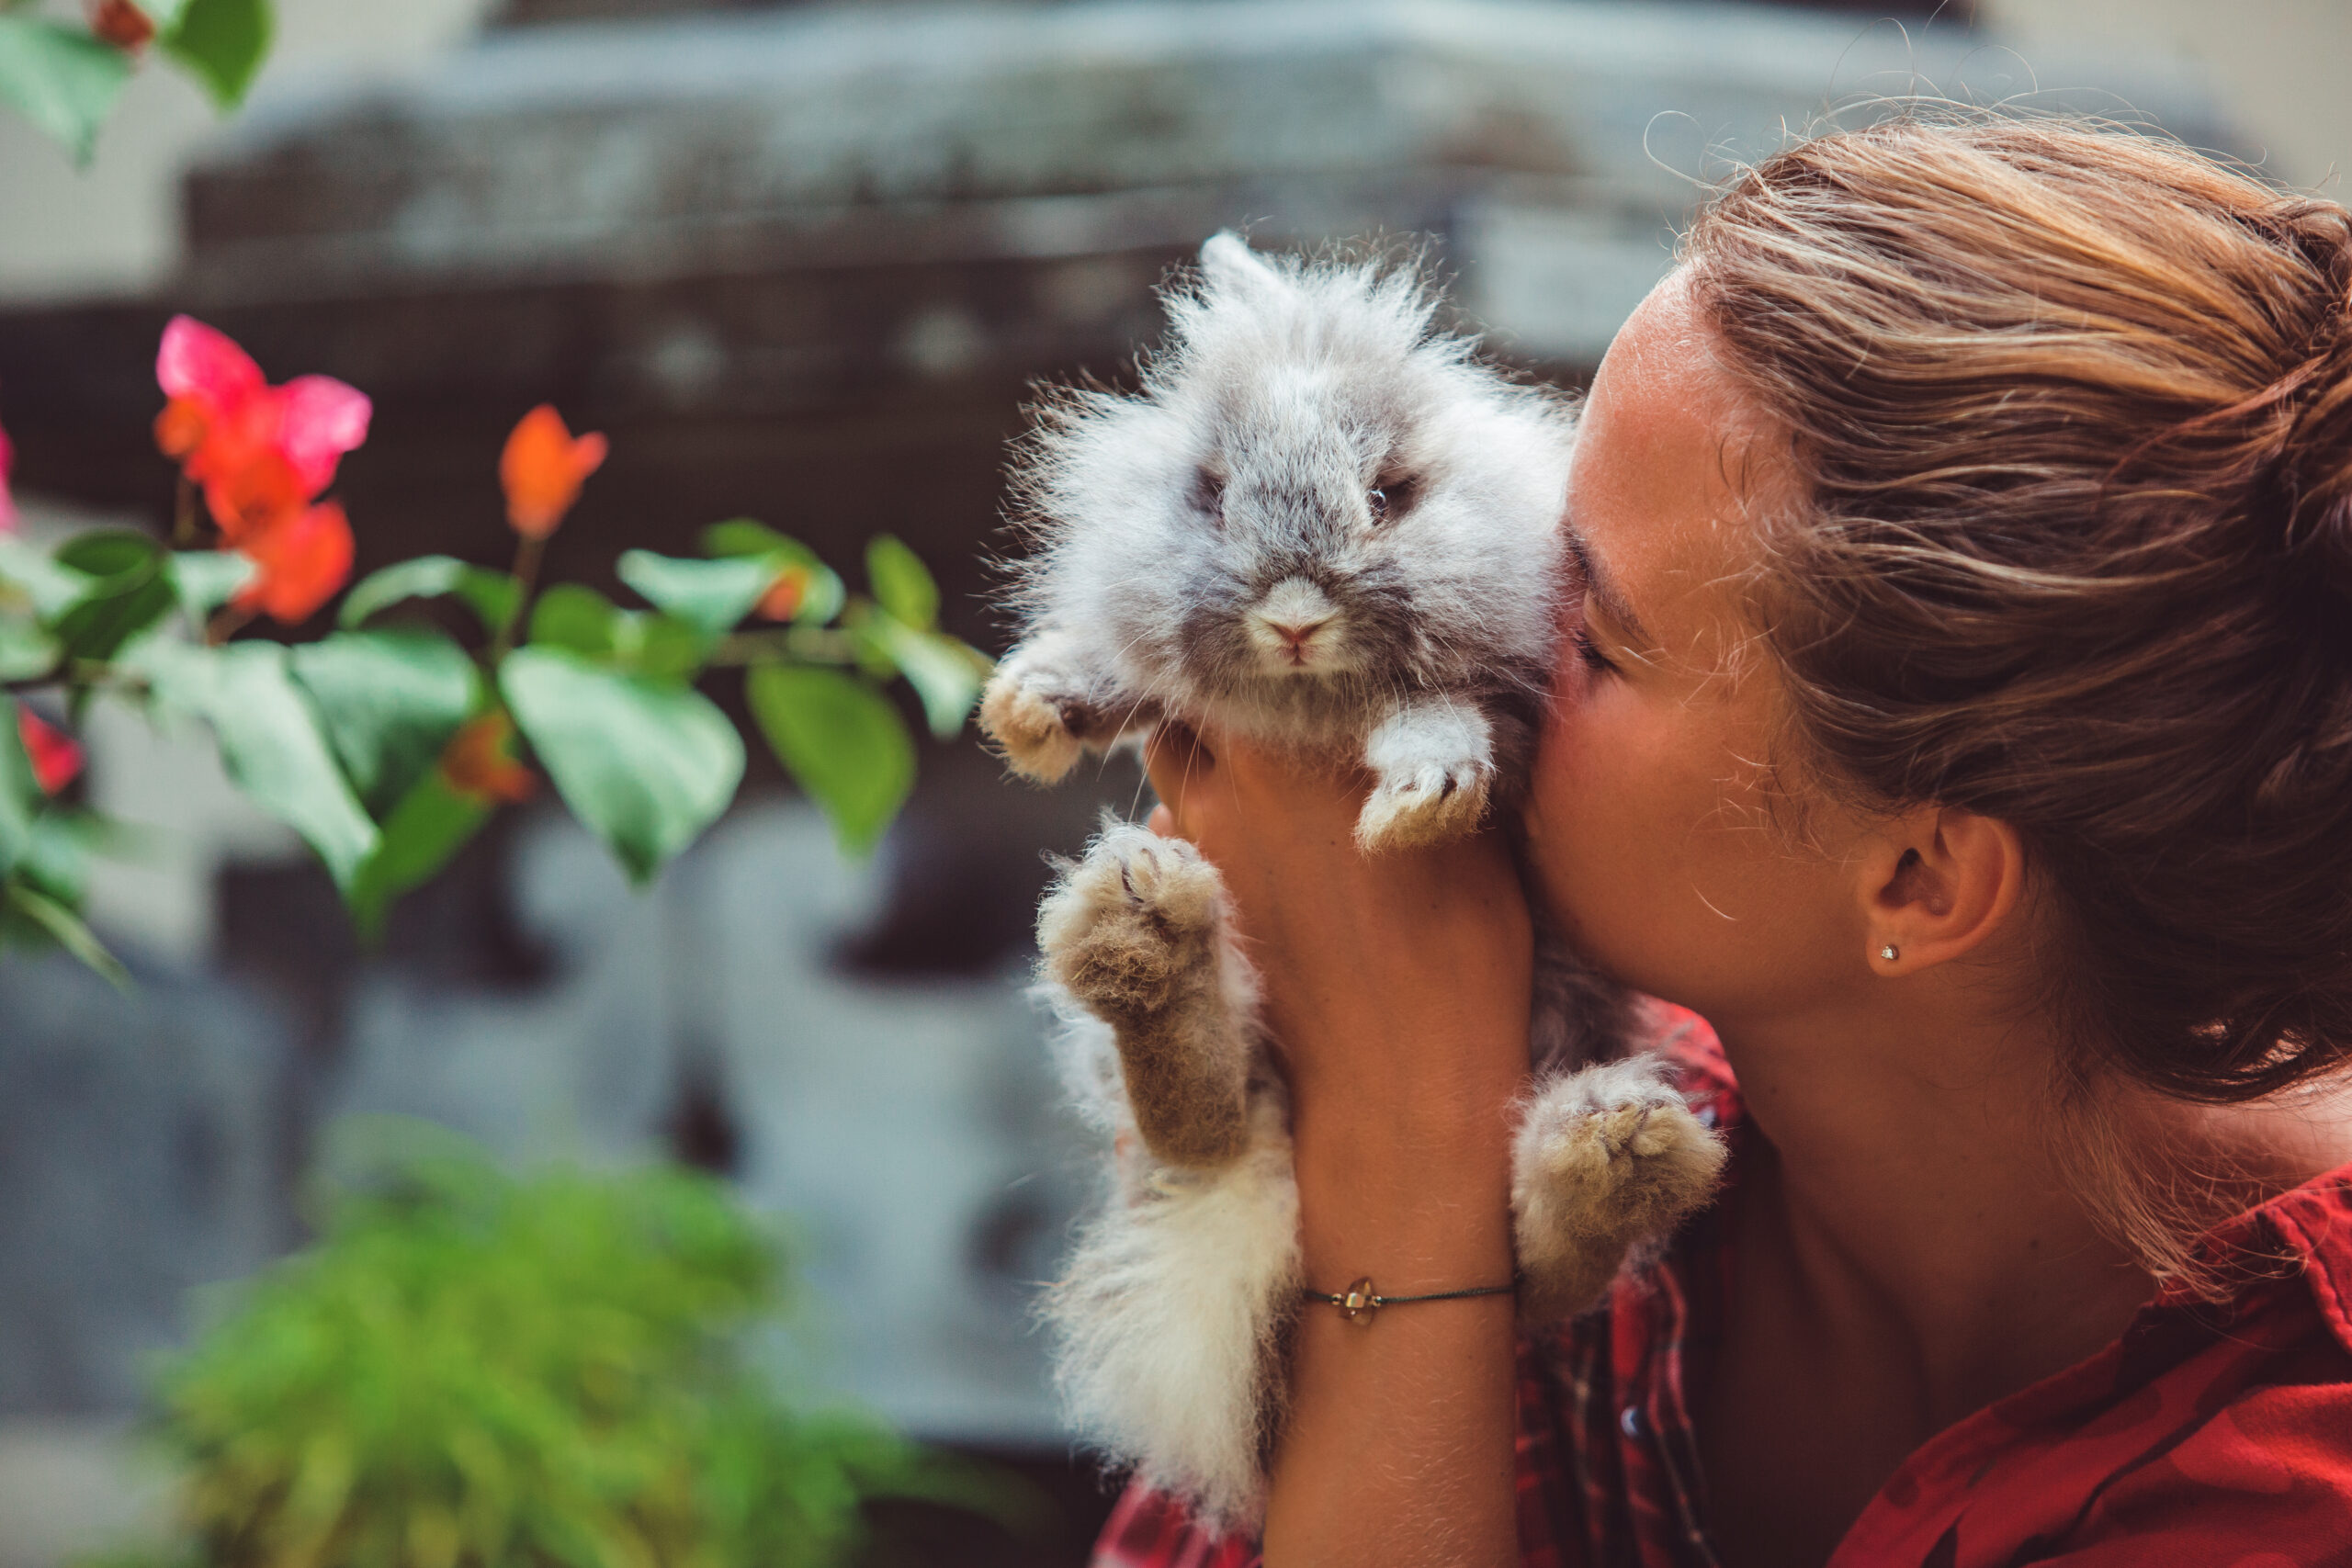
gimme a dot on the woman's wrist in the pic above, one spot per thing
(1416, 1202)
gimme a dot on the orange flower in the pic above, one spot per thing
(542, 469)
(179, 429)
(784, 597)
(304, 560)
(56, 759)
(476, 760)
(256, 497)
(122, 24)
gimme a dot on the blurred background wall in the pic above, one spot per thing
(800, 263)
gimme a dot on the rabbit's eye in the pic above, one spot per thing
(1390, 497)
(1208, 495)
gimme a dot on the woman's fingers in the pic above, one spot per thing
(1179, 763)
(1214, 786)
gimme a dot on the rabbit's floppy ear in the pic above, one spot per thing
(1232, 267)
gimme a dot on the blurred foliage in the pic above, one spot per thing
(472, 1369)
(387, 746)
(65, 76)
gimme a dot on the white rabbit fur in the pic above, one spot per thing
(1324, 523)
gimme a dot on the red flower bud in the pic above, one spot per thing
(122, 24)
(784, 596)
(477, 761)
(55, 757)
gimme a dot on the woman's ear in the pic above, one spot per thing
(1936, 884)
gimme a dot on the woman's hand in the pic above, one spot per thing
(1397, 986)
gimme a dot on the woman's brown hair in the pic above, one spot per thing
(2073, 407)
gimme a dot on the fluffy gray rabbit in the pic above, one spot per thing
(1323, 524)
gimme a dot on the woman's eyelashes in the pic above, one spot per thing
(1590, 651)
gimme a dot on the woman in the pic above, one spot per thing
(1959, 718)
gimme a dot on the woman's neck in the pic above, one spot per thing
(1927, 1195)
(1924, 1229)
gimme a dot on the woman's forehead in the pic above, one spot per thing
(1668, 466)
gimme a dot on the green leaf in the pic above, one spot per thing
(272, 742)
(570, 616)
(62, 79)
(901, 583)
(841, 740)
(119, 558)
(66, 929)
(26, 650)
(132, 590)
(390, 701)
(491, 595)
(165, 14)
(826, 594)
(431, 823)
(645, 763)
(206, 579)
(20, 797)
(58, 862)
(742, 536)
(658, 645)
(710, 596)
(222, 43)
(582, 621)
(49, 588)
(947, 674)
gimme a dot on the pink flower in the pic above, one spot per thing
(7, 501)
(262, 453)
(56, 759)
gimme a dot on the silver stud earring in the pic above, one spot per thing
(1889, 952)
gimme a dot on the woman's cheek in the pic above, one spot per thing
(1584, 835)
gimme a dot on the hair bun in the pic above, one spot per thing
(2307, 488)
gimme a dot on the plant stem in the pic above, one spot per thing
(184, 513)
(811, 644)
(528, 553)
(81, 672)
(226, 622)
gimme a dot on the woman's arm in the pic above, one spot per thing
(1398, 988)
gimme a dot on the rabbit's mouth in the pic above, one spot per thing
(1297, 631)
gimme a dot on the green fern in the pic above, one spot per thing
(472, 1371)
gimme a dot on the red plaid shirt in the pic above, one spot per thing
(2217, 1437)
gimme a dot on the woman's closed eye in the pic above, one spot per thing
(1588, 650)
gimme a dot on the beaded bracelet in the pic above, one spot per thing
(1360, 1300)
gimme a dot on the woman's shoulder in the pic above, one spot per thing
(2212, 1425)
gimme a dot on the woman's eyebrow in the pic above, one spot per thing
(1603, 590)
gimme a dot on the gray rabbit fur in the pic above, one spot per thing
(1323, 524)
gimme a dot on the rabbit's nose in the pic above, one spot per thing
(1295, 633)
(1290, 615)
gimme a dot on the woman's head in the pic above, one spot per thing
(2047, 438)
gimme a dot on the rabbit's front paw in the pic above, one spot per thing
(1433, 766)
(1425, 804)
(1604, 1157)
(1019, 712)
(1132, 923)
